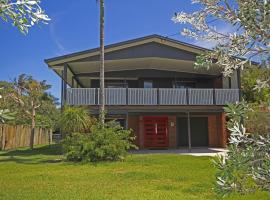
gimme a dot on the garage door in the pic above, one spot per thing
(198, 128)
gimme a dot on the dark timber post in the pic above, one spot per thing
(62, 90)
(214, 97)
(187, 96)
(189, 132)
(73, 84)
(127, 96)
(158, 97)
(65, 84)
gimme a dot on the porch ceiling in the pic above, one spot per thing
(90, 67)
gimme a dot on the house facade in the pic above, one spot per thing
(153, 88)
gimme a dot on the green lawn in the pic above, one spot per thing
(41, 174)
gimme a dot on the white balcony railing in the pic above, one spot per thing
(141, 96)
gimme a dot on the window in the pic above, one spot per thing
(148, 84)
(183, 84)
(116, 85)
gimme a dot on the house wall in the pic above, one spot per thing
(217, 131)
(234, 81)
(151, 49)
(172, 131)
(133, 123)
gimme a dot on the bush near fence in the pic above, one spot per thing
(12, 137)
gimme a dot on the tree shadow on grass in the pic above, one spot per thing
(42, 154)
(49, 150)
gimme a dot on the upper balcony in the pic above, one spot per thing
(152, 96)
(152, 70)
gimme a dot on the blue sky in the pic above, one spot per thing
(75, 27)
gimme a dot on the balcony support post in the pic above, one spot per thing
(187, 94)
(62, 90)
(214, 97)
(158, 97)
(127, 96)
(65, 84)
(96, 96)
(73, 82)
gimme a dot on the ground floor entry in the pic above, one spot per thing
(170, 131)
(155, 131)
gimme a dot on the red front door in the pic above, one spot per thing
(156, 132)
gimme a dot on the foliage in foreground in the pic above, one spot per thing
(108, 142)
(76, 119)
(22, 13)
(246, 168)
(248, 36)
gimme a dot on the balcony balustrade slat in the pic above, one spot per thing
(173, 97)
(200, 96)
(225, 96)
(142, 96)
(80, 96)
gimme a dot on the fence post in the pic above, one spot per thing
(1, 136)
(3, 144)
(50, 136)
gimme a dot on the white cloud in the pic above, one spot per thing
(61, 50)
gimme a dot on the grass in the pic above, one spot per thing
(41, 174)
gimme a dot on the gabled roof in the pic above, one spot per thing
(126, 44)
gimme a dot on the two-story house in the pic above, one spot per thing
(153, 88)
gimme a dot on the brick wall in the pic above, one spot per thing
(217, 130)
(133, 123)
(141, 132)
(172, 131)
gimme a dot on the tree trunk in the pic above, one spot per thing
(102, 63)
(33, 125)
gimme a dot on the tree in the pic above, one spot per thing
(249, 39)
(22, 13)
(250, 76)
(102, 64)
(30, 95)
(5, 114)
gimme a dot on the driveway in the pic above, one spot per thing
(204, 151)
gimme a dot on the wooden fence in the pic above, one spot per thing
(12, 137)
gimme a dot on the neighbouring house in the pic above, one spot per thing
(153, 88)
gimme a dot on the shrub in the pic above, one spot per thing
(108, 142)
(258, 119)
(246, 167)
(75, 119)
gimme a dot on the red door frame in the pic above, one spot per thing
(156, 132)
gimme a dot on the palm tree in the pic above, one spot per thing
(102, 64)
